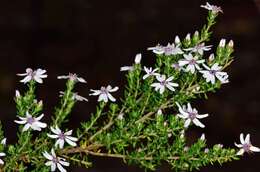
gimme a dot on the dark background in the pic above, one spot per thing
(95, 37)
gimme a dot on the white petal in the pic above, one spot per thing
(47, 155)
(64, 163)
(198, 123)
(254, 149)
(61, 168)
(114, 89)
(247, 139)
(70, 142)
(241, 152)
(53, 167)
(52, 136)
(72, 138)
(238, 145)
(26, 127)
(202, 116)
(187, 123)
(242, 138)
(20, 122)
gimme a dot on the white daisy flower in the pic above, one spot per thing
(75, 96)
(55, 162)
(104, 93)
(150, 72)
(36, 75)
(200, 48)
(164, 83)
(191, 115)
(2, 154)
(191, 62)
(62, 137)
(246, 145)
(171, 49)
(215, 9)
(31, 122)
(158, 49)
(213, 72)
(73, 77)
(138, 58)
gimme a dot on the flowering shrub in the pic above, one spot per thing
(146, 127)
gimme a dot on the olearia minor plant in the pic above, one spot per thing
(146, 127)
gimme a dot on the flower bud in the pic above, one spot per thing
(231, 44)
(187, 38)
(211, 57)
(138, 58)
(222, 43)
(177, 40)
(17, 94)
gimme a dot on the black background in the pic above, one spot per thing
(94, 38)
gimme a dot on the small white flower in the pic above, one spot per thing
(55, 162)
(214, 72)
(138, 58)
(3, 141)
(2, 154)
(200, 48)
(215, 9)
(164, 83)
(158, 49)
(191, 115)
(73, 77)
(62, 137)
(75, 96)
(246, 145)
(150, 72)
(171, 49)
(191, 62)
(31, 122)
(187, 38)
(104, 93)
(30, 75)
